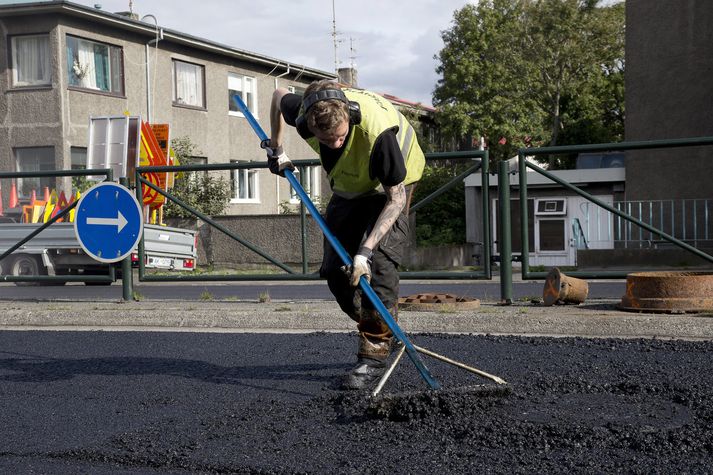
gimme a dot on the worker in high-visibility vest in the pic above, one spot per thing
(373, 159)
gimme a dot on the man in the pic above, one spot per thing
(372, 159)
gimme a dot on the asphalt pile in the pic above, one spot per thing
(572, 405)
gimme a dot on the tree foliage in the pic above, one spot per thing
(443, 220)
(532, 72)
(205, 192)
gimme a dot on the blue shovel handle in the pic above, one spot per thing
(363, 283)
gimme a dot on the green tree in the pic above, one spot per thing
(481, 92)
(511, 67)
(443, 220)
(205, 192)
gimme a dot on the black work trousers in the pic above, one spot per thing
(351, 221)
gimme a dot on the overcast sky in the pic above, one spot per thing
(395, 40)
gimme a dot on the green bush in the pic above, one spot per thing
(207, 193)
(443, 220)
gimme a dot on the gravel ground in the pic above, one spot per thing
(215, 403)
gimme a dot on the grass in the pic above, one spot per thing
(264, 297)
(205, 295)
(447, 308)
(137, 296)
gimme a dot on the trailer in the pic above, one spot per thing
(57, 251)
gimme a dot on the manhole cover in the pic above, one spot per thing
(428, 302)
(669, 291)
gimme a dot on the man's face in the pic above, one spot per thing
(335, 138)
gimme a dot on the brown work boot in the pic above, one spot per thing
(371, 362)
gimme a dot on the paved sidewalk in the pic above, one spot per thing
(594, 318)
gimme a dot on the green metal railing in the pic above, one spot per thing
(506, 261)
(290, 273)
(109, 277)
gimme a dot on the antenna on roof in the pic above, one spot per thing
(352, 52)
(335, 33)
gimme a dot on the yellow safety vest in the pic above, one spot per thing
(350, 176)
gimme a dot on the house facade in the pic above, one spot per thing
(65, 63)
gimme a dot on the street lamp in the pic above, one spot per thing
(159, 37)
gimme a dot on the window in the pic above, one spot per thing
(300, 91)
(79, 158)
(188, 84)
(310, 182)
(79, 162)
(551, 234)
(246, 88)
(92, 65)
(515, 223)
(33, 159)
(244, 185)
(30, 60)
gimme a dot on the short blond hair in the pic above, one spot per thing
(326, 115)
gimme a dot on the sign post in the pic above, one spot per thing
(108, 222)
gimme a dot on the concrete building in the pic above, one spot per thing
(669, 56)
(65, 62)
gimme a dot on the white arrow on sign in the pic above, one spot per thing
(120, 221)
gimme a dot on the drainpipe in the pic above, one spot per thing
(159, 37)
(287, 71)
(277, 178)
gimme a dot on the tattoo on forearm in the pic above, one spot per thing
(395, 202)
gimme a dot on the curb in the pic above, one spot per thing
(596, 318)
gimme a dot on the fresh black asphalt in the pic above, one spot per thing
(158, 403)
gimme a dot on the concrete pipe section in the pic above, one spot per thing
(672, 292)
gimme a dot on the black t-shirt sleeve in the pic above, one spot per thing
(290, 107)
(387, 164)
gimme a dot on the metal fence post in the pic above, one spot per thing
(126, 272)
(504, 234)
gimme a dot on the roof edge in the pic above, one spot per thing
(137, 26)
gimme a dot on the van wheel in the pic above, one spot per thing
(26, 265)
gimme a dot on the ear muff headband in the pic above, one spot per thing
(325, 95)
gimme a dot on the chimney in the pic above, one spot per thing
(348, 76)
(131, 15)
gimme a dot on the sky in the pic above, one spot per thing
(394, 41)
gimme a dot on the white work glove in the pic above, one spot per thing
(277, 159)
(361, 266)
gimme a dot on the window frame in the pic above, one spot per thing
(252, 104)
(538, 235)
(111, 49)
(50, 182)
(174, 85)
(250, 174)
(13, 61)
(312, 187)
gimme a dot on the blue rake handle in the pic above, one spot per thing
(363, 283)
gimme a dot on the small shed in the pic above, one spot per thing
(559, 221)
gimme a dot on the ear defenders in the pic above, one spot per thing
(325, 95)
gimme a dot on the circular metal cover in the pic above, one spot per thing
(430, 302)
(668, 292)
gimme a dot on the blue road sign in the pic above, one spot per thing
(108, 222)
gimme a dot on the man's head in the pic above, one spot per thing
(327, 119)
